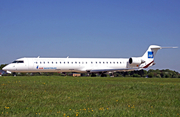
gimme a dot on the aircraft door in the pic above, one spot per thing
(30, 64)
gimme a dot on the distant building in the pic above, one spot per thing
(76, 74)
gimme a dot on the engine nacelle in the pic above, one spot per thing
(135, 61)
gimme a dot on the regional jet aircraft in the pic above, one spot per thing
(84, 65)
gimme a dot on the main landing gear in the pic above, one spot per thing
(101, 74)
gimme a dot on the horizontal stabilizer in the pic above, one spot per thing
(168, 47)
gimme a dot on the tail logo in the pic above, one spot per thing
(150, 54)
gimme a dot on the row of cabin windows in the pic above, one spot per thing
(77, 62)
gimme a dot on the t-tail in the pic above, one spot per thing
(147, 59)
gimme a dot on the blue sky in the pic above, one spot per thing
(94, 28)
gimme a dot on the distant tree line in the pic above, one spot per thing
(139, 73)
(2, 65)
(149, 74)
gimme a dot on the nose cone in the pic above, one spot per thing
(7, 68)
(4, 68)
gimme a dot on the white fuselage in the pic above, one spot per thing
(84, 64)
(66, 64)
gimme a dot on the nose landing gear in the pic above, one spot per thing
(14, 74)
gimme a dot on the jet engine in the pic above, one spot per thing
(135, 61)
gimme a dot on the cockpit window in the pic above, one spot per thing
(14, 62)
(18, 62)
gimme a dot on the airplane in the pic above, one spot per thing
(84, 65)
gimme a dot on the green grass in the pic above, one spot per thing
(88, 96)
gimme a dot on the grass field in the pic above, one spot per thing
(88, 96)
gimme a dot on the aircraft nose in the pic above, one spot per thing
(4, 68)
(7, 68)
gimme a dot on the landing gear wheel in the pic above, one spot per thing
(93, 75)
(14, 74)
(103, 75)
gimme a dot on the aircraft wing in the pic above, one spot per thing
(112, 70)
